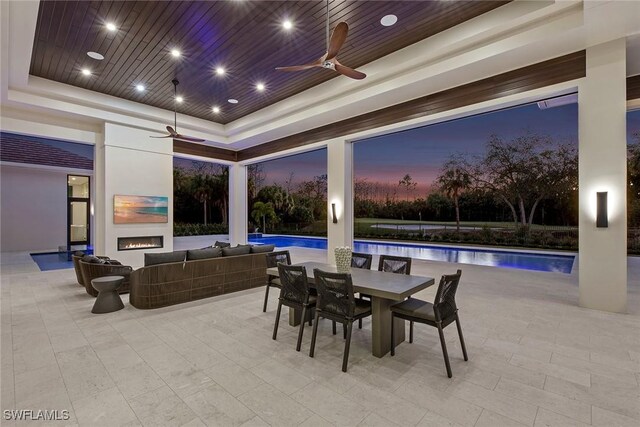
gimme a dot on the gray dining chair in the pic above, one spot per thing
(294, 293)
(273, 259)
(336, 301)
(440, 314)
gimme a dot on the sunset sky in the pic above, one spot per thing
(421, 152)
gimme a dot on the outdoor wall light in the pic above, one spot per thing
(333, 213)
(602, 218)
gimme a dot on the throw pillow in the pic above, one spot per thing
(236, 250)
(205, 253)
(164, 258)
(256, 249)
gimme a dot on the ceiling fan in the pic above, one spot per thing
(173, 133)
(329, 60)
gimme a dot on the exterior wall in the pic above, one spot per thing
(131, 163)
(238, 213)
(33, 208)
(340, 192)
(603, 167)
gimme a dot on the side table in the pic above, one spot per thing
(108, 299)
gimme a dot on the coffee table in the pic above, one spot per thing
(108, 299)
(385, 289)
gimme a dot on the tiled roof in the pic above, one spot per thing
(33, 150)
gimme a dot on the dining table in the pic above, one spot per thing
(384, 289)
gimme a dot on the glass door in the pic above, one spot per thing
(78, 210)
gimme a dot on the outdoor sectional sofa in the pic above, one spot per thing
(161, 284)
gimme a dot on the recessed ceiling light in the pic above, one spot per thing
(232, 101)
(260, 87)
(179, 99)
(140, 88)
(220, 71)
(216, 109)
(111, 26)
(95, 55)
(175, 53)
(287, 24)
(86, 71)
(389, 20)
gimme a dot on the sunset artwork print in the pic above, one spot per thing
(140, 209)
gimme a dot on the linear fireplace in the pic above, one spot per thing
(140, 242)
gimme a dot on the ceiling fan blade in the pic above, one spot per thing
(317, 63)
(338, 37)
(296, 67)
(349, 72)
(187, 138)
(168, 136)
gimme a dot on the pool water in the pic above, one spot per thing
(489, 257)
(55, 260)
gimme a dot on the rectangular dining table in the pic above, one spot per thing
(384, 288)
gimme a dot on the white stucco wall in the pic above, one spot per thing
(131, 163)
(33, 208)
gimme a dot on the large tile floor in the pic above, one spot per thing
(535, 359)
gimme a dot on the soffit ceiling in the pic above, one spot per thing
(244, 37)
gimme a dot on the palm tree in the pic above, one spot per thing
(454, 181)
(263, 211)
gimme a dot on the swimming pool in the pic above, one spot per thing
(489, 257)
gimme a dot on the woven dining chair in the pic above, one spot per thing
(273, 258)
(397, 265)
(337, 302)
(294, 293)
(440, 314)
(360, 260)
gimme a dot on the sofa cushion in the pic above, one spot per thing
(256, 249)
(204, 253)
(164, 257)
(236, 250)
(92, 259)
(222, 244)
(112, 262)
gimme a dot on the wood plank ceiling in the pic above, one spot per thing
(244, 37)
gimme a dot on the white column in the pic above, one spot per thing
(340, 192)
(238, 204)
(603, 167)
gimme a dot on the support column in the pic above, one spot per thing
(238, 204)
(603, 168)
(340, 193)
(131, 163)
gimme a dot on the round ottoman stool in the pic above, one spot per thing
(108, 299)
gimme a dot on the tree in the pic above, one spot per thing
(525, 170)
(453, 181)
(263, 211)
(202, 189)
(408, 184)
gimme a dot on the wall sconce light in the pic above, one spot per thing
(333, 212)
(602, 219)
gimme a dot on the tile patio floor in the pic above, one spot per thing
(536, 358)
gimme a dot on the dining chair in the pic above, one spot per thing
(294, 293)
(337, 302)
(360, 260)
(440, 314)
(273, 258)
(398, 265)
